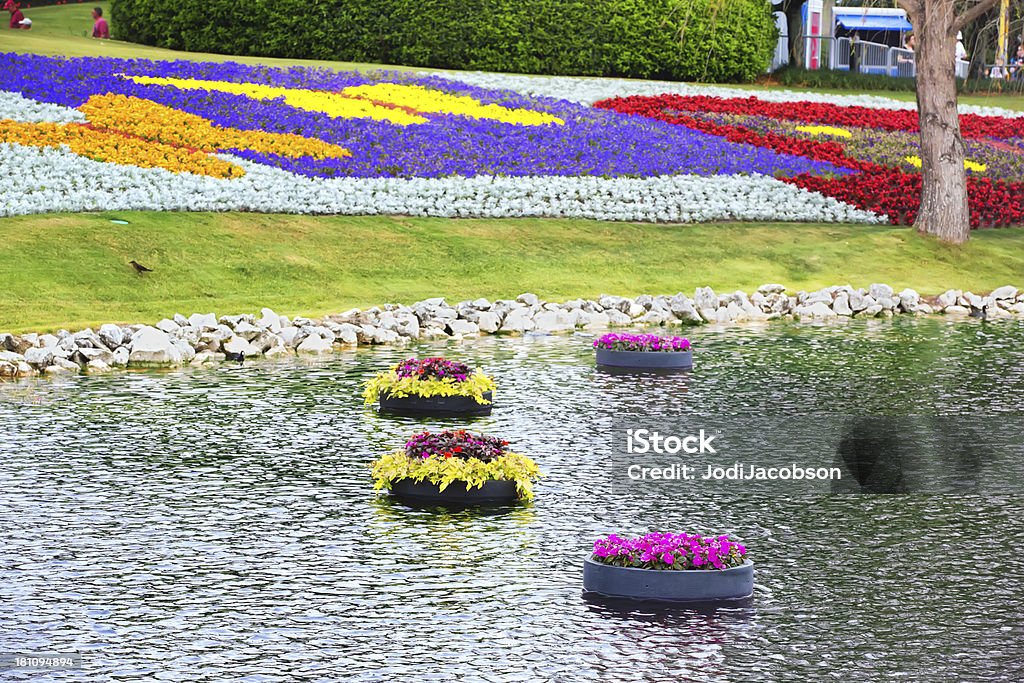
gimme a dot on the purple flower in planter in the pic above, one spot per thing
(658, 550)
(641, 342)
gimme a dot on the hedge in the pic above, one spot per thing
(694, 40)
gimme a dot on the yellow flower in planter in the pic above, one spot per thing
(825, 130)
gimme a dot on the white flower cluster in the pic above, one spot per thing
(55, 180)
(589, 90)
(15, 107)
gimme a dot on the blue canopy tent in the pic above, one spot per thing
(860, 21)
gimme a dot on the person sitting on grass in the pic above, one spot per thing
(100, 29)
(18, 19)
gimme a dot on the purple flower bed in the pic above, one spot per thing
(614, 341)
(669, 551)
(456, 444)
(433, 368)
(592, 142)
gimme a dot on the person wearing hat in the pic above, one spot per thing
(18, 19)
(100, 29)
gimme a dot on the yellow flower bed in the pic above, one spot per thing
(825, 130)
(152, 121)
(112, 147)
(429, 101)
(368, 101)
(915, 161)
(332, 104)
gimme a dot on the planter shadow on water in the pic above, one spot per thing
(667, 613)
(667, 585)
(436, 406)
(645, 361)
(425, 493)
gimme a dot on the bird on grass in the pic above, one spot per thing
(139, 268)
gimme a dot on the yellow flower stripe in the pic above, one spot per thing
(332, 104)
(113, 147)
(825, 130)
(367, 101)
(968, 164)
(153, 121)
(428, 101)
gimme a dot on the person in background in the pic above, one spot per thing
(18, 19)
(1017, 64)
(855, 53)
(998, 71)
(100, 29)
(961, 51)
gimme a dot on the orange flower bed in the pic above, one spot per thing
(152, 121)
(101, 145)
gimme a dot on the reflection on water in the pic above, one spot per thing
(220, 524)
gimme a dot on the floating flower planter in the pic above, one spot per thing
(669, 567)
(431, 387)
(643, 352)
(458, 467)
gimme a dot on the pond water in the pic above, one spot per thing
(219, 524)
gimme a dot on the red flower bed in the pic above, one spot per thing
(886, 191)
(664, 107)
(897, 195)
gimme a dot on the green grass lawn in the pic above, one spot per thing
(72, 270)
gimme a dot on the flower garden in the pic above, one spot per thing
(96, 133)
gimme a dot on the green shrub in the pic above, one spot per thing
(703, 40)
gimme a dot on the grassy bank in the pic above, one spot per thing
(66, 30)
(72, 270)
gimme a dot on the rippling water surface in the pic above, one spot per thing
(219, 524)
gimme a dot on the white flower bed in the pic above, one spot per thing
(56, 180)
(589, 90)
(17, 108)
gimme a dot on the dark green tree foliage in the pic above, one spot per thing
(701, 40)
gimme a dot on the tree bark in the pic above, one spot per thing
(944, 211)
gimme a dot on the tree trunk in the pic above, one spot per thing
(944, 209)
(795, 29)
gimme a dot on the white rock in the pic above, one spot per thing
(314, 344)
(488, 322)
(1004, 292)
(518, 321)
(236, 345)
(871, 311)
(554, 321)
(48, 341)
(151, 347)
(269, 320)
(97, 366)
(880, 291)
(39, 357)
(120, 357)
(956, 310)
(771, 289)
(909, 299)
(168, 326)
(705, 297)
(203, 321)
(463, 328)
(186, 350)
(528, 299)
(1018, 308)
(841, 305)
(247, 330)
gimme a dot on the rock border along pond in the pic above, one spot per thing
(205, 338)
